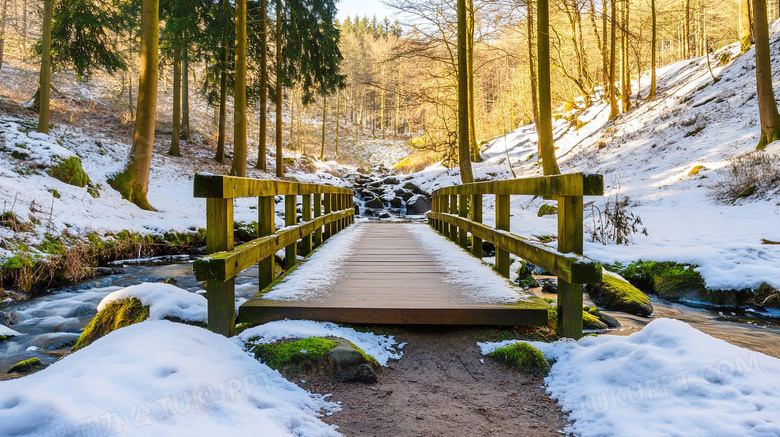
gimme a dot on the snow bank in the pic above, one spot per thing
(321, 268)
(465, 271)
(163, 300)
(8, 332)
(381, 347)
(668, 379)
(159, 378)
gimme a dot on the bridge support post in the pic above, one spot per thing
(266, 225)
(502, 223)
(463, 211)
(476, 215)
(328, 204)
(220, 295)
(318, 213)
(453, 210)
(569, 240)
(290, 218)
(306, 216)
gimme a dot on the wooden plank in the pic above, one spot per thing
(220, 294)
(574, 184)
(290, 218)
(502, 224)
(218, 186)
(463, 209)
(569, 310)
(453, 210)
(306, 216)
(219, 225)
(570, 267)
(317, 213)
(328, 205)
(228, 264)
(476, 215)
(569, 240)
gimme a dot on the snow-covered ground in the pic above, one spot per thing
(667, 380)
(646, 155)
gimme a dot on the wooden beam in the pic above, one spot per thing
(502, 224)
(570, 292)
(290, 219)
(574, 184)
(226, 187)
(476, 216)
(305, 217)
(318, 213)
(570, 267)
(266, 226)
(463, 210)
(220, 293)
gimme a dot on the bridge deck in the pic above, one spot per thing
(389, 277)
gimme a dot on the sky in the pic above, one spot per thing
(363, 7)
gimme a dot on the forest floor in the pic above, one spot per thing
(443, 386)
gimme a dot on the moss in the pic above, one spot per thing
(695, 170)
(365, 356)
(70, 171)
(616, 294)
(3, 338)
(282, 354)
(244, 231)
(668, 280)
(547, 210)
(591, 321)
(525, 277)
(523, 357)
(9, 220)
(114, 316)
(25, 366)
(16, 262)
(52, 245)
(55, 193)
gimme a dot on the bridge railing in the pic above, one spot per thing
(457, 211)
(325, 210)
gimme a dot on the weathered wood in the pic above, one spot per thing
(569, 309)
(328, 204)
(502, 224)
(290, 218)
(305, 217)
(476, 216)
(453, 210)
(463, 209)
(574, 184)
(570, 267)
(220, 294)
(226, 187)
(570, 241)
(266, 225)
(318, 213)
(229, 264)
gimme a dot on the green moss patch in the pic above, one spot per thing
(547, 210)
(114, 316)
(668, 280)
(27, 366)
(696, 169)
(619, 295)
(283, 354)
(524, 276)
(70, 171)
(590, 321)
(522, 357)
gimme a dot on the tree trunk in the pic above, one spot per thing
(24, 29)
(544, 128)
(133, 182)
(130, 93)
(324, 108)
(174, 150)
(44, 84)
(532, 71)
(279, 160)
(744, 25)
(338, 110)
(239, 94)
(470, 58)
(3, 15)
(220, 158)
(464, 151)
(625, 81)
(185, 94)
(613, 107)
(767, 108)
(261, 144)
(653, 44)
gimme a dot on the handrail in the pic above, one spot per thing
(332, 211)
(457, 212)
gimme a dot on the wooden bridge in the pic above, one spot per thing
(389, 275)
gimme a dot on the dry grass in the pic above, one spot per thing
(754, 174)
(417, 161)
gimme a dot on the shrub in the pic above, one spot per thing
(752, 174)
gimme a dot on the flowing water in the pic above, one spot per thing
(50, 324)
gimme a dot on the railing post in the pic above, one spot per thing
(569, 240)
(502, 223)
(328, 205)
(454, 211)
(306, 216)
(463, 206)
(266, 225)
(318, 213)
(220, 295)
(444, 206)
(290, 218)
(476, 215)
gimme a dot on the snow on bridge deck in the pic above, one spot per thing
(394, 273)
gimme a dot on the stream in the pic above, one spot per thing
(51, 323)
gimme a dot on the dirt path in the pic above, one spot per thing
(440, 388)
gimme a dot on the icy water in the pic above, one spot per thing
(50, 324)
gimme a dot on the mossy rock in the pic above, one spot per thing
(547, 210)
(522, 357)
(289, 353)
(610, 321)
(70, 171)
(114, 316)
(590, 321)
(27, 366)
(669, 280)
(525, 277)
(615, 294)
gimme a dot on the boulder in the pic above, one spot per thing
(375, 203)
(392, 180)
(8, 318)
(384, 215)
(418, 204)
(397, 202)
(27, 366)
(407, 195)
(357, 209)
(616, 294)
(399, 192)
(114, 316)
(368, 212)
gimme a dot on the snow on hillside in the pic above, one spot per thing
(668, 379)
(646, 155)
